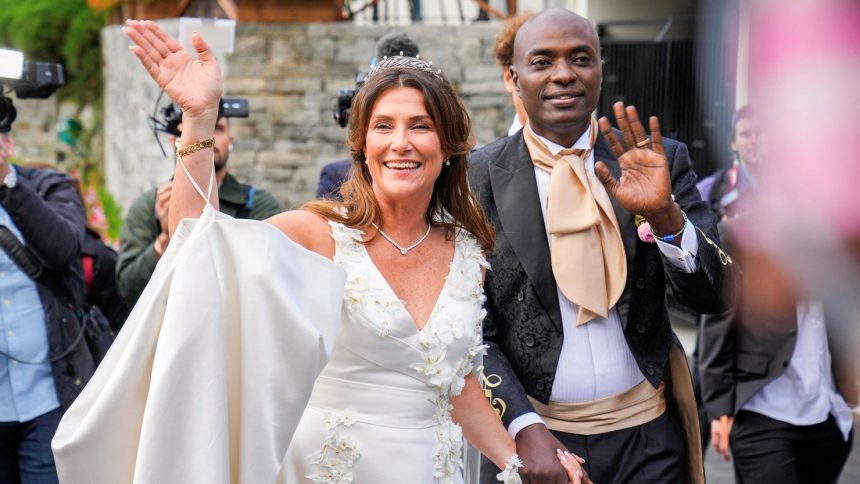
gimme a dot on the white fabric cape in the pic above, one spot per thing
(208, 378)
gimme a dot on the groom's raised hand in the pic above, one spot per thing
(645, 186)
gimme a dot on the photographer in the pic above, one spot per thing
(144, 235)
(42, 210)
(335, 173)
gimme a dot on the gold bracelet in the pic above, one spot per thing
(200, 145)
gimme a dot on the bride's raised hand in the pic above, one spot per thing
(193, 84)
(572, 463)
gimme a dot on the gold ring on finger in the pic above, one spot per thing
(642, 144)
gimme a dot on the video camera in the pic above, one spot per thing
(168, 118)
(390, 44)
(37, 80)
(171, 115)
(344, 100)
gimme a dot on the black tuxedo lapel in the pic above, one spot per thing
(518, 204)
(629, 234)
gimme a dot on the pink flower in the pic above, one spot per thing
(645, 234)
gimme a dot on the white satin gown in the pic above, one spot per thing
(209, 377)
(380, 412)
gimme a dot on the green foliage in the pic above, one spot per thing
(68, 32)
(63, 31)
(83, 56)
(113, 213)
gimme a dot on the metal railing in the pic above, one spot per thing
(446, 12)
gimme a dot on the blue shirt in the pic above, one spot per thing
(26, 389)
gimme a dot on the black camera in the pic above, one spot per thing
(171, 115)
(390, 44)
(344, 100)
(28, 79)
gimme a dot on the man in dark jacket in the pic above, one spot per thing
(775, 386)
(143, 238)
(580, 348)
(41, 370)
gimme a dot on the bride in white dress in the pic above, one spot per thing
(398, 396)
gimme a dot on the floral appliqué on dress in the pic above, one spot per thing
(338, 453)
(445, 378)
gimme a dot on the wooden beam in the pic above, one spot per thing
(492, 11)
(229, 8)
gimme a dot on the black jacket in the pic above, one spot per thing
(47, 209)
(332, 177)
(101, 288)
(747, 346)
(523, 326)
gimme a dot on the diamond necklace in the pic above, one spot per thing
(403, 250)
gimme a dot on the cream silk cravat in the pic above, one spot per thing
(588, 259)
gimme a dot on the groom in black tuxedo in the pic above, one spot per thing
(581, 354)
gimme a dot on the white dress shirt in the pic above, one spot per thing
(595, 360)
(515, 126)
(805, 394)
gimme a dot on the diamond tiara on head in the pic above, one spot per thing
(401, 62)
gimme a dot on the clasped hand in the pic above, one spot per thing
(572, 464)
(546, 460)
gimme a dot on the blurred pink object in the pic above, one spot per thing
(804, 67)
(805, 73)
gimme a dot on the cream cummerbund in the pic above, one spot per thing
(636, 406)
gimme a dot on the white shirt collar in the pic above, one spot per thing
(581, 143)
(516, 125)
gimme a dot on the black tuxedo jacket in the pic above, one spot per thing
(523, 326)
(746, 347)
(737, 358)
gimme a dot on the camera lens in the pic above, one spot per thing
(7, 114)
(342, 106)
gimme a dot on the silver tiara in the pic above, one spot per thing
(401, 62)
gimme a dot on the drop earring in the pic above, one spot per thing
(448, 162)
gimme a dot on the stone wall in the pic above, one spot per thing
(33, 130)
(291, 74)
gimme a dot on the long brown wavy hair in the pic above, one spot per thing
(452, 204)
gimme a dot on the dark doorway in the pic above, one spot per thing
(686, 90)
